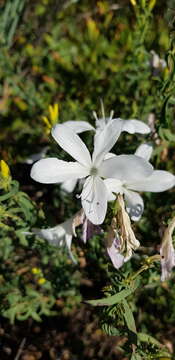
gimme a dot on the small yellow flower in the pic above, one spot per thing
(133, 2)
(5, 171)
(47, 123)
(53, 113)
(5, 178)
(152, 4)
(52, 119)
(41, 281)
(36, 271)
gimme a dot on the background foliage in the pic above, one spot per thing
(75, 53)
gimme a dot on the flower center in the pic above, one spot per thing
(93, 171)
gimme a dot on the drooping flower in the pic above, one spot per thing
(61, 235)
(121, 240)
(167, 252)
(129, 183)
(94, 195)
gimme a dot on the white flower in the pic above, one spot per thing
(94, 195)
(157, 62)
(78, 126)
(129, 183)
(131, 126)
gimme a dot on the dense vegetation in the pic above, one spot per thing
(77, 54)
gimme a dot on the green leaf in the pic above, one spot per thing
(22, 238)
(148, 339)
(136, 357)
(114, 299)
(128, 316)
(35, 316)
(9, 194)
(166, 134)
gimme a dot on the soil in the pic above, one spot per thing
(75, 337)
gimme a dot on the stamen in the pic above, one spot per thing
(93, 171)
(111, 115)
(102, 109)
(95, 115)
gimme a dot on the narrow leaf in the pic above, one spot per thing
(129, 318)
(114, 299)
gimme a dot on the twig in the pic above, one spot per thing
(20, 349)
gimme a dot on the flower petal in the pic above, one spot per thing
(113, 186)
(134, 204)
(89, 230)
(52, 170)
(113, 250)
(167, 252)
(144, 151)
(135, 126)
(158, 181)
(68, 241)
(54, 235)
(125, 168)
(79, 126)
(94, 199)
(69, 185)
(109, 155)
(105, 140)
(72, 144)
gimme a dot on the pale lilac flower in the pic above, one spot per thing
(89, 230)
(121, 240)
(167, 252)
(94, 195)
(113, 250)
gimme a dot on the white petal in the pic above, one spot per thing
(125, 168)
(52, 170)
(79, 126)
(135, 126)
(68, 240)
(101, 123)
(113, 186)
(159, 181)
(55, 235)
(72, 144)
(94, 199)
(144, 151)
(105, 140)
(69, 185)
(109, 155)
(134, 205)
